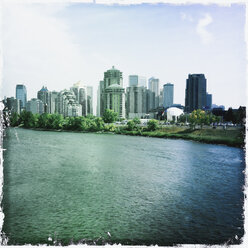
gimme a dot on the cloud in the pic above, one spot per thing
(205, 35)
(38, 48)
(186, 17)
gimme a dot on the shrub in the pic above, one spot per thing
(152, 125)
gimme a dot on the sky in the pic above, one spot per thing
(58, 44)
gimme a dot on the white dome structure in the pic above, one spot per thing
(173, 113)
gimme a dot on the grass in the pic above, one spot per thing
(213, 136)
(234, 137)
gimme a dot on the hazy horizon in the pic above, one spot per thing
(56, 45)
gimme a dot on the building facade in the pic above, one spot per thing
(161, 97)
(36, 106)
(100, 97)
(45, 96)
(195, 93)
(21, 94)
(89, 100)
(113, 76)
(136, 102)
(150, 100)
(84, 96)
(135, 80)
(112, 93)
(153, 86)
(68, 105)
(168, 93)
(13, 105)
(114, 98)
(209, 101)
(54, 102)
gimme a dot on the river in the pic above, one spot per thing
(98, 188)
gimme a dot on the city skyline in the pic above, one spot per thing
(174, 42)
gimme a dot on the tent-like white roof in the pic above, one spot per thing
(173, 111)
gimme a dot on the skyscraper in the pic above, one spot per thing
(115, 99)
(21, 94)
(209, 101)
(168, 95)
(161, 97)
(112, 93)
(13, 105)
(112, 76)
(54, 102)
(100, 98)
(153, 86)
(89, 100)
(81, 96)
(136, 101)
(135, 80)
(68, 105)
(36, 106)
(44, 95)
(195, 93)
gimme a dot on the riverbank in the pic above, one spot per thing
(234, 138)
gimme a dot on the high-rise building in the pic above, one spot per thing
(195, 93)
(89, 100)
(112, 93)
(53, 102)
(142, 82)
(81, 96)
(114, 98)
(100, 98)
(68, 105)
(153, 85)
(13, 105)
(136, 102)
(150, 100)
(83, 99)
(113, 76)
(209, 101)
(36, 106)
(45, 96)
(21, 94)
(168, 95)
(135, 80)
(161, 97)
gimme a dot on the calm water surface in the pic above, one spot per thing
(77, 187)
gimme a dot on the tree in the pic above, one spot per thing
(197, 117)
(43, 120)
(152, 125)
(229, 116)
(201, 117)
(182, 118)
(131, 125)
(14, 119)
(109, 116)
(27, 119)
(55, 121)
(241, 115)
(99, 123)
(136, 120)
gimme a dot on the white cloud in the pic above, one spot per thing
(186, 17)
(204, 34)
(38, 48)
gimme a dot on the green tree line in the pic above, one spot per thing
(200, 117)
(89, 123)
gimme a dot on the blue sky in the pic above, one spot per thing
(59, 44)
